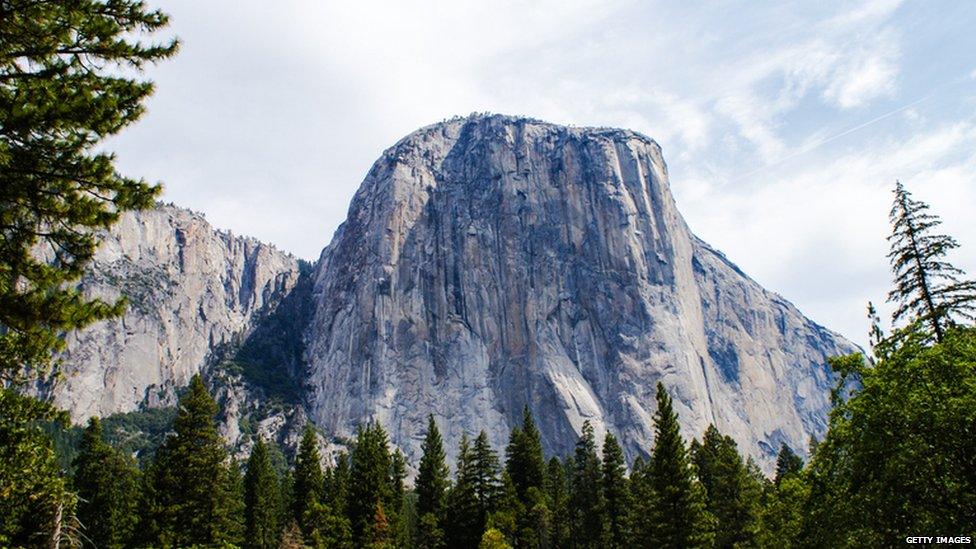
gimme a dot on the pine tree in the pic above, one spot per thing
(107, 483)
(524, 460)
(587, 508)
(431, 487)
(462, 507)
(616, 493)
(927, 287)
(261, 500)
(192, 483)
(526, 467)
(787, 463)
(485, 472)
(557, 492)
(475, 493)
(370, 486)
(677, 510)
(731, 495)
(56, 192)
(308, 481)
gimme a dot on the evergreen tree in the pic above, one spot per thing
(616, 493)
(927, 287)
(587, 508)
(525, 462)
(485, 469)
(195, 490)
(677, 511)
(787, 463)
(431, 487)
(526, 467)
(308, 481)
(475, 493)
(557, 492)
(370, 487)
(731, 493)
(107, 483)
(896, 457)
(60, 97)
(462, 506)
(261, 500)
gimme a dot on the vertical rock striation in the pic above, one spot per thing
(491, 262)
(192, 290)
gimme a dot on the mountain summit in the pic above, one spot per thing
(490, 263)
(487, 264)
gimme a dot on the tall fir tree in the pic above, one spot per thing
(107, 484)
(526, 467)
(485, 469)
(262, 500)
(557, 494)
(476, 493)
(616, 493)
(927, 287)
(370, 488)
(588, 512)
(431, 488)
(787, 463)
(731, 494)
(60, 97)
(462, 529)
(677, 509)
(195, 489)
(524, 460)
(308, 481)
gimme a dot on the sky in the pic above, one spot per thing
(784, 124)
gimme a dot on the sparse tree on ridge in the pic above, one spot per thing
(927, 287)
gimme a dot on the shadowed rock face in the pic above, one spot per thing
(491, 263)
(192, 290)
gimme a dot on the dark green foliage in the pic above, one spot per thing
(732, 494)
(676, 515)
(431, 487)
(927, 288)
(526, 467)
(616, 493)
(787, 463)
(485, 470)
(308, 479)
(60, 96)
(261, 500)
(557, 492)
(587, 508)
(32, 488)
(899, 455)
(371, 486)
(524, 460)
(107, 484)
(195, 493)
(475, 494)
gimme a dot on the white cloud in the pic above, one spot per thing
(865, 75)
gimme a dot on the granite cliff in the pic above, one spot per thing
(490, 263)
(487, 263)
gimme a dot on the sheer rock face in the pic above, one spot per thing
(491, 263)
(191, 290)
